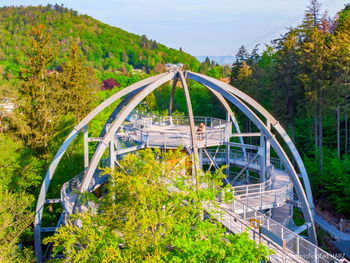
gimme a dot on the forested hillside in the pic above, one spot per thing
(303, 79)
(107, 49)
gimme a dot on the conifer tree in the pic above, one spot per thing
(79, 83)
(37, 109)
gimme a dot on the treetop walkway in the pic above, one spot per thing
(263, 184)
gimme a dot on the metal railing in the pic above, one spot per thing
(174, 139)
(294, 244)
(70, 188)
(255, 188)
(176, 120)
(263, 199)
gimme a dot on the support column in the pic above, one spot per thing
(111, 154)
(262, 150)
(190, 114)
(268, 145)
(175, 79)
(201, 158)
(86, 147)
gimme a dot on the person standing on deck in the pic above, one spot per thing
(201, 131)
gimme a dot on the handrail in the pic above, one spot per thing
(294, 242)
(176, 120)
(171, 138)
(278, 196)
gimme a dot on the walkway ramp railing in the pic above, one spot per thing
(294, 248)
(264, 199)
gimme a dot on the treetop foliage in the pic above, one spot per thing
(153, 212)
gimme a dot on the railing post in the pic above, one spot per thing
(147, 139)
(164, 139)
(244, 212)
(206, 138)
(261, 201)
(315, 252)
(275, 199)
(282, 233)
(298, 245)
(229, 227)
(281, 195)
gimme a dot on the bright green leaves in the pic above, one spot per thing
(14, 219)
(155, 207)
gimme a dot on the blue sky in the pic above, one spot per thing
(200, 27)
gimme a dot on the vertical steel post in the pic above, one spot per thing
(111, 154)
(175, 79)
(86, 147)
(268, 146)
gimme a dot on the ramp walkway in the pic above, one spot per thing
(329, 228)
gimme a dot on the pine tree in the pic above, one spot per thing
(37, 109)
(79, 83)
(314, 10)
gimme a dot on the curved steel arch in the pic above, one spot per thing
(204, 79)
(62, 150)
(135, 94)
(221, 88)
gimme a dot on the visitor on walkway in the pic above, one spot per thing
(201, 131)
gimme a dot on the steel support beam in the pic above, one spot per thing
(247, 146)
(245, 167)
(270, 119)
(268, 145)
(86, 147)
(249, 134)
(190, 115)
(229, 93)
(175, 79)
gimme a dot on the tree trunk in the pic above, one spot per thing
(316, 141)
(321, 148)
(346, 124)
(338, 130)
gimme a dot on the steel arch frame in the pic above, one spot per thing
(136, 93)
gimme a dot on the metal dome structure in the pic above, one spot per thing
(147, 130)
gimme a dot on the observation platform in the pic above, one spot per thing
(168, 132)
